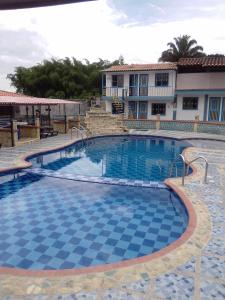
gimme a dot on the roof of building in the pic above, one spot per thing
(207, 61)
(11, 98)
(15, 4)
(13, 94)
(142, 67)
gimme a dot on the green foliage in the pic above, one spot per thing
(66, 78)
(184, 47)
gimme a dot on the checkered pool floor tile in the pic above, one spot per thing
(52, 223)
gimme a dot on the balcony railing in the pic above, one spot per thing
(128, 92)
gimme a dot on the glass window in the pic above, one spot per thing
(133, 83)
(117, 80)
(161, 79)
(132, 109)
(158, 109)
(133, 80)
(143, 110)
(103, 80)
(190, 103)
(143, 85)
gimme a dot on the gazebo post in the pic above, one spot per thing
(65, 119)
(39, 108)
(27, 114)
(33, 114)
(49, 116)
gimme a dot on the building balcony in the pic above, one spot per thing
(142, 93)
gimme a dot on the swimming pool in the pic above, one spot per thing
(50, 223)
(124, 157)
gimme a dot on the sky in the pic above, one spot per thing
(138, 30)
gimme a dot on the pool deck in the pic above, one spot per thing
(195, 269)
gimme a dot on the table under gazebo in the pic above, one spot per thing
(36, 122)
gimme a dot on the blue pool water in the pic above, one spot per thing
(135, 158)
(50, 223)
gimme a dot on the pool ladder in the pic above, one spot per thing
(80, 132)
(186, 166)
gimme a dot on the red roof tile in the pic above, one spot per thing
(142, 67)
(11, 98)
(6, 93)
(208, 61)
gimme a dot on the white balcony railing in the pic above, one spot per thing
(150, 91)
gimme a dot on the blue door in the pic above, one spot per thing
(143, 110)
(214, 109)
(132, 109)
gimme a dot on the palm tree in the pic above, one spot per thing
(183, 47)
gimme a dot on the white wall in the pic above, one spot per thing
(152, 90)
(169, 110)
(190, 114)
(198, 81)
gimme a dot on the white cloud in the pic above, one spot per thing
(89, 30)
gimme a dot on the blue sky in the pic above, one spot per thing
(137, 29)
(146, 12)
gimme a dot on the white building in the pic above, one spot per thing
(200, 88)
(145, 90)
(193, 86)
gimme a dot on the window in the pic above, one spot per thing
(143, 85)
(103, 80)
(158, 109)
(117, 81)
(132, 109)
(133, 85)
(133, 80)
(161, 79)
(190, 103)
(103, 85)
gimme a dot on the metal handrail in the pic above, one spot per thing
(206, 166)
(78, 131)
(186, 166)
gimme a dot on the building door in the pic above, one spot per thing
(143, 110)
(132, 109)
(214, 109)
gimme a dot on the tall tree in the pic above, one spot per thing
(66, 78)
(183, 47)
